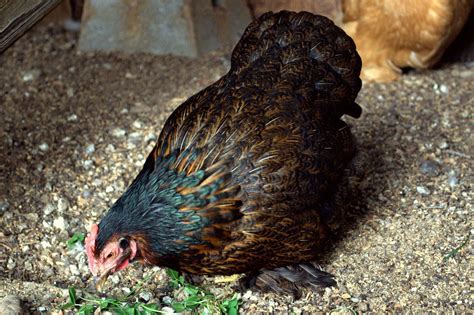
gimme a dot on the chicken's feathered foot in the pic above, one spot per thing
(289, 279)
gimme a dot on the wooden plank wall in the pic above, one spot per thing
(17, 16)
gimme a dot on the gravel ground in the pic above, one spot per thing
(75, 129)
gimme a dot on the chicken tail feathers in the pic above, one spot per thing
(303, 53)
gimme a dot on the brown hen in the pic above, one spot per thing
(245, 172)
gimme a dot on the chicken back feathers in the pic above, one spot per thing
(242, 172)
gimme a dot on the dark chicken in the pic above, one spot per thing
(245, 172)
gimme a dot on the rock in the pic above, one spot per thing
(11, 264)
(4, 205)
(422, 190)
(443, 145)
(114, 279)
(74, 270)
(167, 310)
(48, 209)
(135, 138)
(167, 299)
(118, 132)
(60, 223)
(109, 148)
(70, 92)
(145, 296)
(429, 168)
(43, 147)
(363, 307)
(72, 117)
(11, 305)
(137, 124)
(31, 75)
(150, 137)
(90, 148)
(444, 89)
(63, 204)
(87, 164)
(452, 178)
(109, 189)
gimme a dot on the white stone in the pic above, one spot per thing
(118, 132)
(72, 117)
(11, 263)
(137, 124)
(90, 148)
(423, 190)
(60, 223)
(444, 89)
(43, 147)
(63, 204)
(74, 270)
(48, 209)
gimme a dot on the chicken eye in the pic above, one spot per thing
(123, 243)
(109, 255)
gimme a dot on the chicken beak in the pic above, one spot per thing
(100, 281)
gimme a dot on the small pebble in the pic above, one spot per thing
(114, 279)
(430, 168)
(70, 92)
(137, 124)
(145, 296)
(110, 148)
(48, 209)
(444, 89)
(452, 179)
(43, 147)
(150, 137)
(109, 189)
(4, 205)
(72, 117)
(135, 137)
(363, 307)
(11, 264)
(443, 145)
(167, 310)
(118, 132)
(60, 223)
(422, 190)
(90, 148)
(87, 164)
(74, 270)
(31, 75)
(63, 204)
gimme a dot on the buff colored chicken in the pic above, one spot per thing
(389, 34)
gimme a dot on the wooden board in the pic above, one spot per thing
(17, 16)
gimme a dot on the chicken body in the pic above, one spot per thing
(391, 35)
(243, 174)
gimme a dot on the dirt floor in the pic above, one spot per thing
(75, 129)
